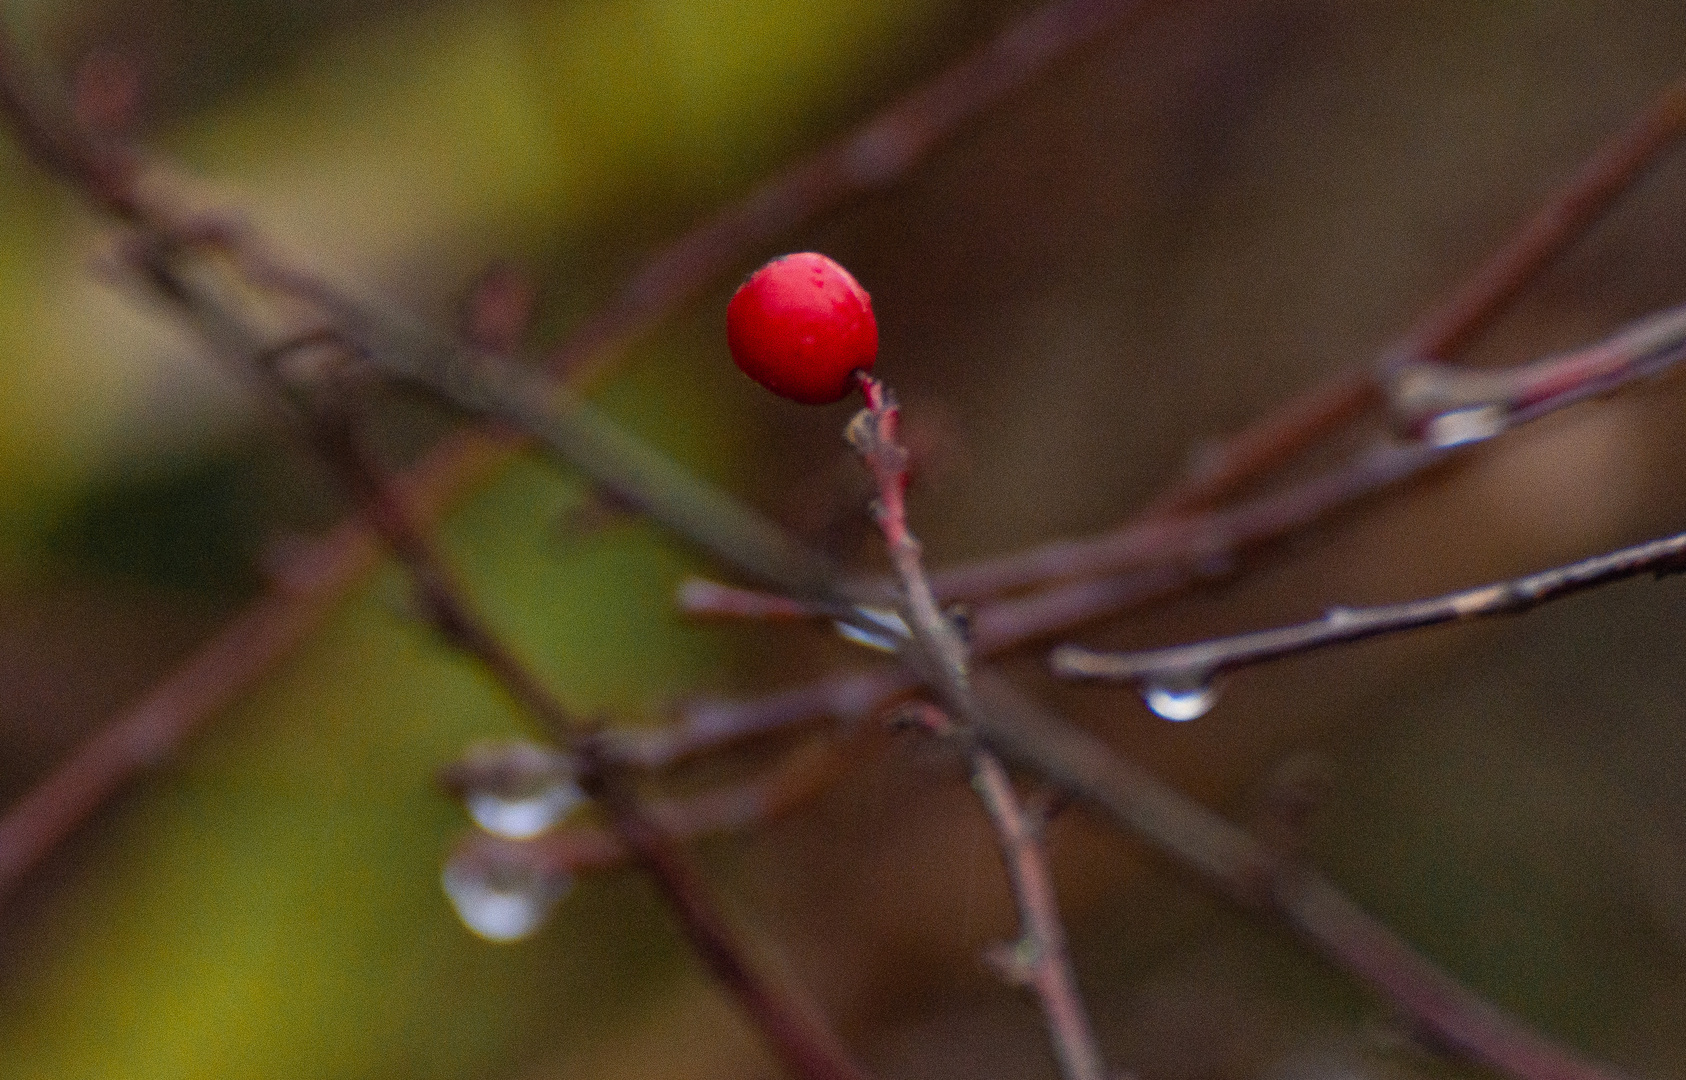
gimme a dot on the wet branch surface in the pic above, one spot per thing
(1342, 625)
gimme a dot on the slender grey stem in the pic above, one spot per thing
(1201, 660)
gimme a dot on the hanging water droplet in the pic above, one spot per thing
(501, 897)
(875, 628)
(1461, 426)
(515, 789)
(1183, 699)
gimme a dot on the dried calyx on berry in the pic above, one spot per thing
(802, 326)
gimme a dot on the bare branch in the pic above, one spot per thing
(708, 725)
(794, 783)
(328, 418)
(1277, 438)
(1506, 400)
(877, 155)
(1167, 555)
(1340, 625)
(1613, 168)
(1040, 960)
(700, 596)
(1024, 734)
(275, 624)
(997, 626)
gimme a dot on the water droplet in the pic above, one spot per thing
(501, 897)
(1461, 426)
(515, 789)
(876, 628)
(1182, 700)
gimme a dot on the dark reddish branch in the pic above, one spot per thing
(1005, 721)
(1041, 963)
(1023, 733)
(1039, 960)
(792, 784)
(1280, 436)
(874, 157)
(702, 596)
(805, 1044)
(104, 172)
(1569, 213)
(1167, 556)
(1516, 396)
(276, 624)
(801, 1040)
(998, 626)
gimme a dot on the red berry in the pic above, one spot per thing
(802, 326)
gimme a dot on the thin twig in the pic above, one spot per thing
(1039, 958)
(328, 419)
(1016, 729)
(1040, 961)
(875, 156)
(276, 624)
(1566, 216)
(998, 626)
(794, 783)
(1169, 554)
(1341, 625)
(1508, 400)
(1277, 438)
(1007, 722)
(704, 597)
(1023, 733)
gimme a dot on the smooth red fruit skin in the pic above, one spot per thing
(802, 326)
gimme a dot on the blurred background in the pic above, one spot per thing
(1139, 254)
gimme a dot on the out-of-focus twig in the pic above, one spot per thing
(709, 723)
(1169, 554)
(1025, 734)
(794, 783)
(1567, 214)
(701, 596)
(1015, 728)
(1505, 400)
(875, 155)
(328, 417)
(1277, 438)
